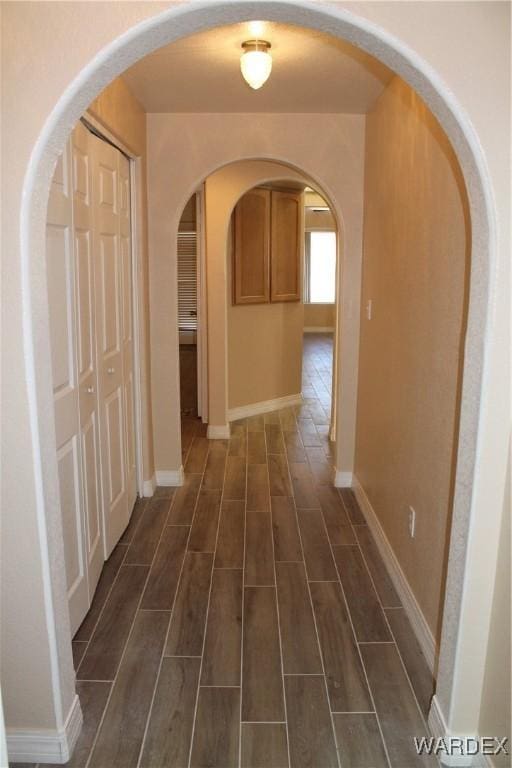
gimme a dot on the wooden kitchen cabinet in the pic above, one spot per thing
(268, 246)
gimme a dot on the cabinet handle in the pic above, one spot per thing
(90, 390)
(110, 371)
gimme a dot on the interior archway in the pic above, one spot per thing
(114, 58)
(235, 182)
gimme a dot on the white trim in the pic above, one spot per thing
(170, 477)
(414, 613)
(202, 306)
(46, 746)
(218, 432)
(439, 729)
(264, 406)
(137, 300)
(149, 486)
(342, 479)
(436, 721)
(318, 329)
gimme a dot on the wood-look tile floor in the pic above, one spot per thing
(246, 619)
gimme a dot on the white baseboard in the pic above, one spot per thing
(343, 479)
(318, 329)
(414, 613)
(439, 729)
(264, 406)
(218, 432)
(170, 477)
(149, 486)
(44, 746)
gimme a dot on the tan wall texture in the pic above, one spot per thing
(414, 271)
(120, 112)
(319, 315)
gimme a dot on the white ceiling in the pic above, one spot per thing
(312, 72)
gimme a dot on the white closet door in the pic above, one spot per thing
(109, 332)
(125, 246)
(62, 308)
(86, 351)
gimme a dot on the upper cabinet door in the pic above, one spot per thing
(251, 279)
(287, 246)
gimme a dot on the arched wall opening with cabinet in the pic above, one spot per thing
(254, 347)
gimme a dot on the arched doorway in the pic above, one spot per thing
(412, 69)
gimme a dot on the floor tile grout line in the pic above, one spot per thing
(278, 615)
(243, 599)
(157, 678)
(349, 614)
(365, 560)
(103, 606)
(354, 638)
(423, 718)
(208, 601)
(109, 697)
(314, 622)
(263, 722)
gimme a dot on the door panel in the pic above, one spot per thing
(110, 278)
(115, 446)
(63, 330)
(252, 248)
(92, 487)
(68, 462)
(86, 350)
(109, 197)
(287, 245)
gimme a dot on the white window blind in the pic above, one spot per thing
(187, 281)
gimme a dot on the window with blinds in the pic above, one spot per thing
(187, 281)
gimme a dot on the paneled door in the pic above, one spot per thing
(66, 384)
(86, 351)
(287, 240)
(112, 258)
(252, 248)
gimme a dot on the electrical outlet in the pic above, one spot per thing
(412, 522)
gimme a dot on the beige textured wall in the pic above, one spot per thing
(319, 220)
(264, 353)
(495, 716)
(414, 271)
(120, 112)
(319, 315)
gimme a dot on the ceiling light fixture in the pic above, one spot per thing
(256, 62)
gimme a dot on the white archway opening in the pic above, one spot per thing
(117, 56)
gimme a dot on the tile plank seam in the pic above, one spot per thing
(206, 616)
(102, 719)
(150, 710)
